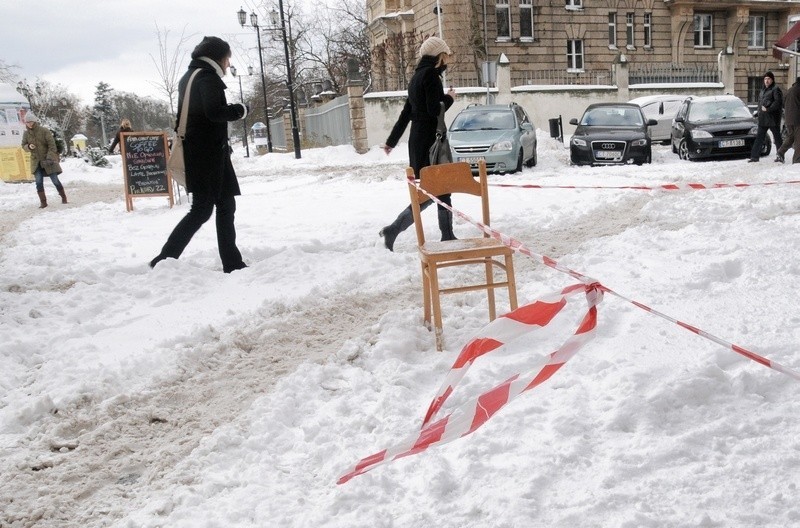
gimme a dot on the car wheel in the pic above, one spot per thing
(683, 150)
(519, 161)
(531, 162)
(766, 148)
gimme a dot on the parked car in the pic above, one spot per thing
(611, 133)
(713, 126)
(502, 135)
(662, 108)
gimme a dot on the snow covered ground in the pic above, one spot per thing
(184, 397)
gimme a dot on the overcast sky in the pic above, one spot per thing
(78, 45)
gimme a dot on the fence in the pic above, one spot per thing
(671, 73)
(278, 132)
(562, 77)
(328, 124)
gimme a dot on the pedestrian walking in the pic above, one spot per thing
(791, 116)
(770, 104)
(421, 109)
(209, 172)
(124, 126)
(39, 141)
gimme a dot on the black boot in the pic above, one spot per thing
(446, 224)
(401, 223)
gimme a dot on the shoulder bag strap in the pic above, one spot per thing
(441, 128)
(185, 105)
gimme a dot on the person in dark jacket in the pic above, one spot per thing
(124, 126)
(39, 141)
(770, 104)
(425, 95)
(209, 172)
(791, 109)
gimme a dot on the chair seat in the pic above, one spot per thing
(465, 248)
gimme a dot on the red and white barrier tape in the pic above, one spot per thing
(517, 246)
(468, 417)
(664, 187)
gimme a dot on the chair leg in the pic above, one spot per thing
(512, 282)
(489, 262)
(437, 307)
(426, 296)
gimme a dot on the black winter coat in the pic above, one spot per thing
(205, 147)
(791, 105)
(772, 99)
(425, 92)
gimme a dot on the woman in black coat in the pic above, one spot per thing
(209, 172)
(425, 95)
(124, 126)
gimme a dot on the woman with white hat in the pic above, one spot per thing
(39, 141)
(425, 93)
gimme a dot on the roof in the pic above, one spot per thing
(783, 43)
(656, 98)
(9, 95)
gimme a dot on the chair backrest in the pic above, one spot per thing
(448, 178)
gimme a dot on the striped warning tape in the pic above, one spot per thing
(468, 417)
(664, 187)
(519, 247)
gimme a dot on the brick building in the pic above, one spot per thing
(577, 41)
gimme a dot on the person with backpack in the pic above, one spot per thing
(39, 141)
(770, 104)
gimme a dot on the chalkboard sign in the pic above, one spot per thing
(144, 162)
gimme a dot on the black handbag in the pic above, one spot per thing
(439, 152)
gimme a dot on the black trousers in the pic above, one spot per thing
(202, 207)
(762, 134)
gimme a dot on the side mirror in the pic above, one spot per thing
(652, 122)
(527, 126)
(573, 121)
(678, 119)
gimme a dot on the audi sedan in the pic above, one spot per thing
(715, 126)
(611, 133)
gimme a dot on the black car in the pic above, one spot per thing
(611, 133)
(715, 126)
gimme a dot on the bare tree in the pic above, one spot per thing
(169, 63)
(7, 74)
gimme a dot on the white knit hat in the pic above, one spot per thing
(30, 117)
(433, 46)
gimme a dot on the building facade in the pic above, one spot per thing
(578, 41)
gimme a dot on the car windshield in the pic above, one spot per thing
(484, 120)
(715, 110)
(612, 116)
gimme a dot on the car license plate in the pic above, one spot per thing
(604, 154)
(727, 143)
(474, 159)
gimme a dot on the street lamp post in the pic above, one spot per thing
(241, 96)
(254, 22)
(289, 83)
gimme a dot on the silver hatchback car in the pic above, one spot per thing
(501, 135)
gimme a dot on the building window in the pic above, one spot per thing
(574, 55)
(503, 13)
(648, 30)
(612, 30)
(630, 30)
(574, 4)
(703, 35)
(755, 32)
(754, 86)
(526, 20)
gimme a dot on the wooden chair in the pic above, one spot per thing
(449, 179)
